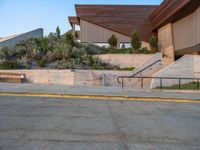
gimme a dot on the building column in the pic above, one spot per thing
(166, 44)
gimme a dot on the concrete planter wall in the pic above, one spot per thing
(72, 77)
(125, 60)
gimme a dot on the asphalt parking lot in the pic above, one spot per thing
(35, 123)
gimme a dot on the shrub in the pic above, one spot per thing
(43, 45)
(97, 64)
(63, 64)
(7, 53)
(153, 41)
(93, 49)
(113, 41)
(135, 41)
(144, 50)
(41, 62)
(9, 65)
(78, 52)
(69, 39)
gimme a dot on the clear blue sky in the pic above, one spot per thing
(18, 16)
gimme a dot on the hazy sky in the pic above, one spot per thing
(18, 16)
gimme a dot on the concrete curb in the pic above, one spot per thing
(100, 97)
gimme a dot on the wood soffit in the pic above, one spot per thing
(119, 18)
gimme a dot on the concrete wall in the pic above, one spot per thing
(38, 33)
(165, 42)
(125, 60)
(98, 77)
(91, 33)
(47, 76)
(196, 72)
(69, 77)
(186, 31)
(188, 66)
(150, 70)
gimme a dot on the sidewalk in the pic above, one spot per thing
(95, 91)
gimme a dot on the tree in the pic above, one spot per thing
(113, 41)
(58, 32)
(76, 35)
(153, 41)
(69, 39)
(135, 41)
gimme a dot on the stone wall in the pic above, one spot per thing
(166, 45)
(72, 77)
(125, 60)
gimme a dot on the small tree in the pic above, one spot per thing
(76, 35)
(153, 41)
(135, 41)
(113, 41)
(58, 32)
(69, 39)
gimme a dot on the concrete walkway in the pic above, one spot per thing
(96, 91)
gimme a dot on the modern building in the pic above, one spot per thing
(175, 22)
(96, 23)
(11, 41)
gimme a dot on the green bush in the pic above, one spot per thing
(63, 64)
(143, 51)
(113, 41)
(9, 65)
(127, 69)
(7, 53)
(153, 41)
(69, 39)
(135, 41)
(41, 62)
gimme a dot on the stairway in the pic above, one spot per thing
(148, 69)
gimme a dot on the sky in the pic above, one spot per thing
(19, 16)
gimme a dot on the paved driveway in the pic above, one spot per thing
(28, 123)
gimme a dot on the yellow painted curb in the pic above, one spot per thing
(100, 97)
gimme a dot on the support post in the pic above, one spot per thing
(142, 83)
(122, 83)
(161, 83)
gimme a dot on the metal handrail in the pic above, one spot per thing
(161, 80)
(138, 71)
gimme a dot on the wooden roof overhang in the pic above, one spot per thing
(171, 11)
(122, 19)
(73, 20)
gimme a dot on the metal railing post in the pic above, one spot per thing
(122, 83)
(179, 83)
(161, 83)
(141, 82)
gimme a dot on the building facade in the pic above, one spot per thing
(175, 22)
(96, 23)
(12, 40)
